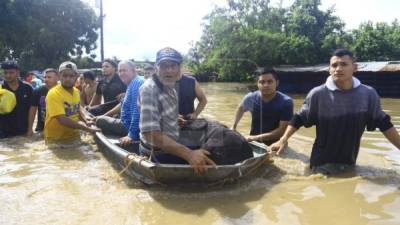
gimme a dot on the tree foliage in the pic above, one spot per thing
(251, 33)
(377, 42)
(42, 33)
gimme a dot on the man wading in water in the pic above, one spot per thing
(341, 109)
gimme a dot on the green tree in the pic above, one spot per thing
(311, 34)
(42, 33)
(377, 42)
(251, 33)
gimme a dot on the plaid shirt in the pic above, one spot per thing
(158, 109)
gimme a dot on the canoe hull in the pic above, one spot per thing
(152, 173)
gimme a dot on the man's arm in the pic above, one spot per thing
(393, 136)
(201, 97)
(272, 135)
(113, 111)
(31, 118)
(65, 121)
(96, 100)
(238, 116)
(283, 141)
(196, 158)
(82, 96)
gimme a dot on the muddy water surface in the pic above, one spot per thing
(79, 186)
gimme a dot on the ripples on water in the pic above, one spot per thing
(78, 185)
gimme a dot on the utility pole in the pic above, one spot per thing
(101, 32)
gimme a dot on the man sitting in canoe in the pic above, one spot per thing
(188, 90)
(159, 112)
(111, 89)
(128, 125)
(270, 109)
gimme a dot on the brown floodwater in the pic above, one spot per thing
(77, 185)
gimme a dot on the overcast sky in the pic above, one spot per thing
(138, 28)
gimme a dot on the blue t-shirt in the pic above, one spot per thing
(130, 114)
(267, 115)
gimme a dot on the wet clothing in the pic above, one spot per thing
(39, 101)
(340, 117)
(187, 94)
(265, 116)
(130, 114)
(61, 102)
(16, 122)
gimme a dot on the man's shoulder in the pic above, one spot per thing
(76, 90)
(188, 77)
(284, 97)
(57, 90)
(149, 86)
(138, 80)
(253, 94)
(116, 80)
(26, 86)
(367, 88)
(318, 90)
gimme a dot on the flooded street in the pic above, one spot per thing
(79, 186)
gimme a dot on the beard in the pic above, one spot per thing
(67, 86)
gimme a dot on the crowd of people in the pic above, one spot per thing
(152, 109)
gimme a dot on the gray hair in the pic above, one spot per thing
(129, 63)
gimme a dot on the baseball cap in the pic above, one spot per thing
(6, 65)
(148, 67)
(168, 54)
(68, 65)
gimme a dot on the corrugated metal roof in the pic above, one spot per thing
(392, 67)
(371, 66)
(316, 68)
(362, 67)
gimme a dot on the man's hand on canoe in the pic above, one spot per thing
(199, 160)
(278, 146)
(124, 141)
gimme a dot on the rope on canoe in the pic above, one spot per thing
(128, 160)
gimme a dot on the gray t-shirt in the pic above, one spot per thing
(340, 118)
(158, 109)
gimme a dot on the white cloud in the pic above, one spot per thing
(138, 28)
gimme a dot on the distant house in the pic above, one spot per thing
(383, 76)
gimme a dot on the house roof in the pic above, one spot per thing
(392, 66)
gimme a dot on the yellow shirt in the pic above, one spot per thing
(61, 102)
